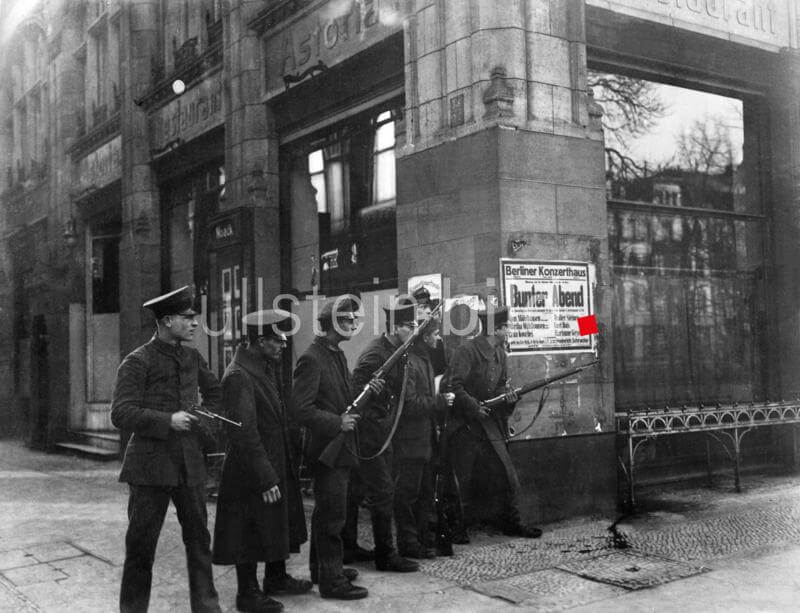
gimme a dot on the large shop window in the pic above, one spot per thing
(351, 170)
(686, 241)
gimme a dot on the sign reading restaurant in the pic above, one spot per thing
(545, 299)
(327, 32)
(762, 23)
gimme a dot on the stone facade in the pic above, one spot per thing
(500, 153)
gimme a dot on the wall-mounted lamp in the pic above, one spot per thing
(70, 235)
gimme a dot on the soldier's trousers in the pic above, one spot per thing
(327, 521)
(147, 507)
(378, 484)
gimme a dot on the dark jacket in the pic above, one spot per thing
(247, 529)
(153, 382)
(376, 422)
(414, 437)
(478, 372)
(321, 392)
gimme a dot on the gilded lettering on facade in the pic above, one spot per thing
(101, 166)
(763, 23)
(756, 14)
(188, 116)
(333, 32)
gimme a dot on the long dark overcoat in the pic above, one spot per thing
(247, 529)
(478, 372)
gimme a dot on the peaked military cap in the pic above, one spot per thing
(345, 307)
(172, 303)
(266, 323)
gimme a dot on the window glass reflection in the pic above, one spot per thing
(670, 145)
(685, 242)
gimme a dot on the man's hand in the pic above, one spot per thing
(483, 412)
(182, 421)
(349, 422)
(376, 386)
(272, 495)
(511, 395)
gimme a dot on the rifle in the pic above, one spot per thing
(535, 385)
(331, 452)
(444, 537)
(196, 410)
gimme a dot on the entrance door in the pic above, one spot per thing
(102, 328)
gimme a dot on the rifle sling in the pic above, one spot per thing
(398, 413)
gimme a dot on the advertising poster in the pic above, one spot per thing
(546, 298)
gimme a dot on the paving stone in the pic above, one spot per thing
(16, 558)
(631, 570)
(548, 590)
(48, 552)
(39, 573)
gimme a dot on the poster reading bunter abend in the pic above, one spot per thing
(546, 298)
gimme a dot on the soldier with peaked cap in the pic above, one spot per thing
(322, 391)
(374, 428)
(478, 372)
(259, 509)
(155, 390)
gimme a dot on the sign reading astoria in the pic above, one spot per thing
(546, 298)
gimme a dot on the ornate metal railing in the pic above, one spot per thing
(726, 424)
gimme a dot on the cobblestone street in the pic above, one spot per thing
(62, 522)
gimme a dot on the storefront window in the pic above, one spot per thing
(686, 242)
(350, 170)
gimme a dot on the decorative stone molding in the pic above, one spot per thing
(499, 96)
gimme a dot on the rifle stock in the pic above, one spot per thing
(529, 387)
(333, 449)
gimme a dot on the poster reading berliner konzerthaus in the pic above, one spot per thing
(546, 298)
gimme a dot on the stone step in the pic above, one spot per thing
(105, 439)
(90, 450)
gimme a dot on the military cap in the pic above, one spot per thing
(498, 314)
(265, 323)
(172, 303)
(422, 295)
(402, 311)
(345, 306)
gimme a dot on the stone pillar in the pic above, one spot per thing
(251, 148)
(140, 243)
(501, 149)
(784, 316)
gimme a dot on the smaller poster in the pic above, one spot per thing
(546, 298)
(431, 282)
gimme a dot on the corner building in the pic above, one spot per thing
(347, 145)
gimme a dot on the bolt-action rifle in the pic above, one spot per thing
(535, 385)
(331, 452)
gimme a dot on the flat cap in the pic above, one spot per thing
(402, 311)
(499, 316)
(260, 323)
(343, 307)
(172, 303)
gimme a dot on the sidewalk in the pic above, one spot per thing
(63, 520)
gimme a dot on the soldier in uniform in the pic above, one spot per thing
(412, 448)
(322, 391)
(259, 509)
(155, 390)
(476, 435)
(374, 428)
